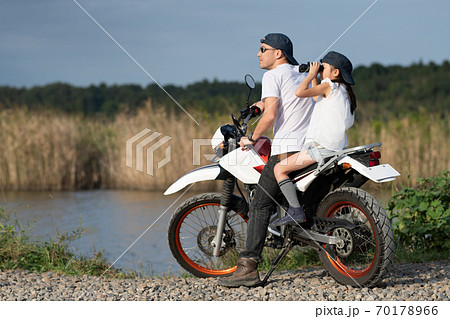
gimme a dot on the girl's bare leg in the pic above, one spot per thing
(292, 163)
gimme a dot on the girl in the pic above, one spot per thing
(332, 116)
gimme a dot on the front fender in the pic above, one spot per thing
(205, 173)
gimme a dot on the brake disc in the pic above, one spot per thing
(205, 239)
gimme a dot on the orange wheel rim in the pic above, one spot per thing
(186, 257)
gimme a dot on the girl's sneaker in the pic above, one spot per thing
(294, 215)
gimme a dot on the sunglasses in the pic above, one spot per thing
(264, 49)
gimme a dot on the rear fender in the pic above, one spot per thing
(379, 174)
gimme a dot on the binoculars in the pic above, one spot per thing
(305, 67)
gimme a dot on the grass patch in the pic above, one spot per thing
(404, 254)
(298, 257)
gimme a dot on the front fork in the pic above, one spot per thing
(225, 199)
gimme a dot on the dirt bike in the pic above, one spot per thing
(346, 225)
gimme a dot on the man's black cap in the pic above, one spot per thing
(340, 62)
(281, 42)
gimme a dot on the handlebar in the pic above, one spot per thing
(253, 110)
(248, 113)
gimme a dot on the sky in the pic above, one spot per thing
(182, 42)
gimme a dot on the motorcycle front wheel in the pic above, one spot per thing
(364, 253)
(192, 229)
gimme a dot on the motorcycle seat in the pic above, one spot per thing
(302, 171)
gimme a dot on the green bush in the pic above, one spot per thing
(421, 216)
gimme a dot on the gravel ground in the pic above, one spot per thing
(406, 282)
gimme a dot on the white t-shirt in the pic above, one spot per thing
(331, 118)
(293, 113)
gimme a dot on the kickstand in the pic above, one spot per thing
(278, 259)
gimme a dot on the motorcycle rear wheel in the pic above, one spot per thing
(192, 229)
(367, 252)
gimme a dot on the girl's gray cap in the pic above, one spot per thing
(340, 62)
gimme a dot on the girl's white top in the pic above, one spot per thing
(331, 118)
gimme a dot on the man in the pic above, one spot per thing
(290, 116)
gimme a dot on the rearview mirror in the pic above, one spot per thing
(250, 81)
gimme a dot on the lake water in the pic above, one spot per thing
(113, 221)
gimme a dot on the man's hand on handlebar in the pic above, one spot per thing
(255, 110)
(245, 143)
(260, 105)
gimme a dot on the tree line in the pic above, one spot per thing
(381, 91)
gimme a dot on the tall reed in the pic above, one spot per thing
(57, 151)
(182, 130)
(417, 146)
